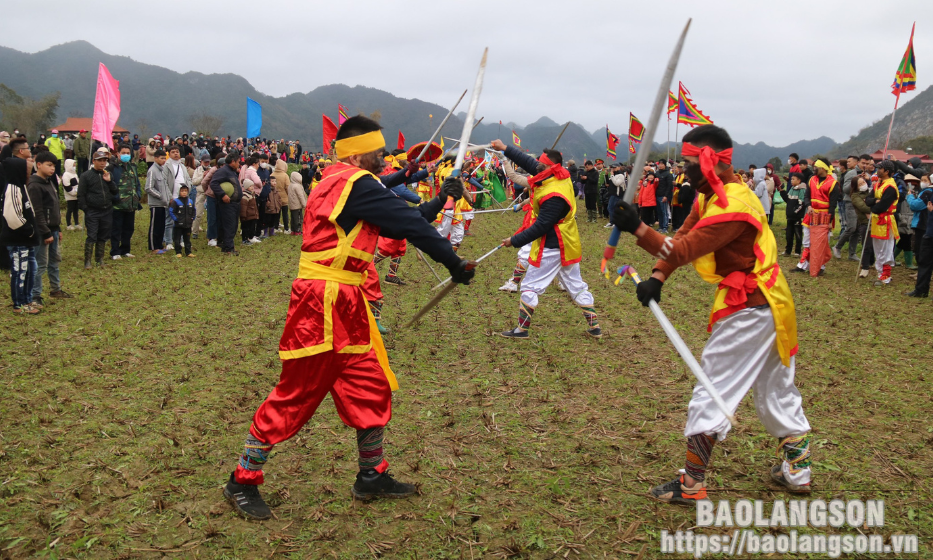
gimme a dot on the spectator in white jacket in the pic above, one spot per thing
(761, 189)
(200, 198)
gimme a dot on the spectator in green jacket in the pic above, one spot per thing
(82, 150)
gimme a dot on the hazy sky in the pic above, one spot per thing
(770, 71)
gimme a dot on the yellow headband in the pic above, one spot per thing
(819, 164)
(362, 144)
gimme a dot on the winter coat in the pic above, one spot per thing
(297, 199)
(94, 193)
(82, 147)
(150, 151)
(14, 173)
(70, 180)
(157, 187)
(182, 212)
(45, 206)
(918, 206)
(862, 210)
(761, 189)
(281, 181)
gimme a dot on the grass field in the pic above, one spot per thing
(125, 408)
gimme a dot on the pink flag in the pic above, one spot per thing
(106, 106)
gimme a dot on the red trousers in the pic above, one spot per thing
(392, 247)
(356, 382)
(819, 247)
(372, 291)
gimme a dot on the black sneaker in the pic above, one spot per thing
(246, 500)
(674, 492)
(395, 280)
(916, 294)
(371, 484)
(798, 269)
(515, 333)
(595, 332)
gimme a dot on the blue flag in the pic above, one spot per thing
(253, 118)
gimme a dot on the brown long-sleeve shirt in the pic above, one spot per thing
(732, 243)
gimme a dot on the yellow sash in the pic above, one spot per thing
(744, 206)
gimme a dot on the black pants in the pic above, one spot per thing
(124, 224)
(868, 250)
(678, 215)
(296, 220)
(794, 234)
(925, 264)
(178, 235)
(98, 224)
(156, 227)
(71, 212)
(284, 213)
(647, 215)
(270, 220)
(82, 165)
(249, 229)
(227, 216)
(590, 198)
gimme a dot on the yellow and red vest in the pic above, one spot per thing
(884, 224)
(328, 311)
(679, 180)
(744, 206)
(819, 193)
(571, 251)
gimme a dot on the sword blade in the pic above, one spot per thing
(438, 131)
(563, 130)
(430, 305)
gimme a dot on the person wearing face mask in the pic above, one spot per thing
(57, 147)
(330, 343)
(753, 323)
(858, 191)
(130, 194)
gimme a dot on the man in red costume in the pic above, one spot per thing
(330, 343)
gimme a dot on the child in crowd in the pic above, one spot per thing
(70, 187)
(182, 212)
(794, 198)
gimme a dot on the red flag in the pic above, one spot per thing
(106, 106)
(330, 133)
(401, 140)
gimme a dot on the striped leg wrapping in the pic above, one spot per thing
(369, 443)
(379, 257)
(518, 272)
(525, 312)
(589, 313)
(393, 266)
(699, 449)
(796, 451)
(255, 454)
(376, 307)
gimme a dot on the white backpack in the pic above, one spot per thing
(15, 204)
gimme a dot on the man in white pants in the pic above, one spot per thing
(753, 323)
(553, 237)
(884, 234)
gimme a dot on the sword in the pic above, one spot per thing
(468, 127)
(456, 143)
(438, 131)
(477, 261)
(642, 156)
(679, 345)
(554, 145)
(421, 257)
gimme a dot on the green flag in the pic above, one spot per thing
(497, 191)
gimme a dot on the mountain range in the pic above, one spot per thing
(156, 99)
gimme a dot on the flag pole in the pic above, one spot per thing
(668, 138)
(884, 153)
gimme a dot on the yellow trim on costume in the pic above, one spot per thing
(358, 145)
(310, 270)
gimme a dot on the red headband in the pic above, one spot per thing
(553, 169)
(708, 161)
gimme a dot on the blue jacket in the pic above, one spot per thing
(396, 182)
(918, 206)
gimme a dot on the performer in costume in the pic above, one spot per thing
(753, 323)
(330, 343)
(554, 239)
(678, 210)
(822, 196)
(395, 249)
(884, 233)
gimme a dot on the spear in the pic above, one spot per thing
(468, 127)
(642, 156)
(421, 257)
(554, 145)
(479, 260)
(457, 142)
(679, 345)
(438, 131)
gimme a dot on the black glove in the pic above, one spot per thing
(648, 290)
(461, 274)
(452, 186)
(625, 217)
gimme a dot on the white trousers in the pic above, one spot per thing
(537, 279)
(742, 355)
(884, 252)
(523, 255)
(455, 231)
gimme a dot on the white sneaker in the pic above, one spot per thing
(211, 242)
(169, 247)
(71, 228)
(607, 226)
(288, 231)
(255, 240)
(117, 257)
(509, 286)
(129, 256)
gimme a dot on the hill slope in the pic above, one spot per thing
(914, 118)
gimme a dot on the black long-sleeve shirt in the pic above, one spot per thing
(550, 212)
(881, 205)
(370, 201)
(665, 188)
